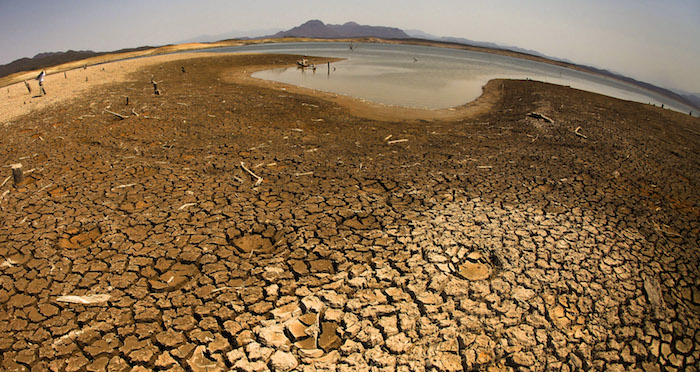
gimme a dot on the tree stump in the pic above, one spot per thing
(17, 174)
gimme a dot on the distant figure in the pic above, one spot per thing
(41, 82)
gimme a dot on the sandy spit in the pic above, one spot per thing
(62, 87)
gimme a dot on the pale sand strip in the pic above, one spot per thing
(17, 101)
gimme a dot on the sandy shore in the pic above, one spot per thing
(62, 87)
(232, 225)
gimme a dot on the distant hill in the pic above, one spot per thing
(43, 60)
(235, 34)
(694, 98)
(319, 30)
(688, 99)
(459, 40)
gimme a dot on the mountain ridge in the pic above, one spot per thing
(50, 59)
(317, 29)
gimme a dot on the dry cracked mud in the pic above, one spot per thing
(495, 242)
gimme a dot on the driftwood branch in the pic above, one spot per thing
(537, 115)
(122, 117)
(576, 131)
(258, 178)
(397, 141)
(87, 299)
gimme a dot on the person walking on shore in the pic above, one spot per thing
(41, 82)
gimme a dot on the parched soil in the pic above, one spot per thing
(232, 225)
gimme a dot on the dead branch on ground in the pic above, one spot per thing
(122, 117)
(258, 178)
(537, 115)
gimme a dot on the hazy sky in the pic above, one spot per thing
(655, 41)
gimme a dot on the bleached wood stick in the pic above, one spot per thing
(576, 131)
(397, 141)
(115, 114)
(259, 179)
(186, 205)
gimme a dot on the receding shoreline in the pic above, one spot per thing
(372, 110)
(21, 76)
(63, 88)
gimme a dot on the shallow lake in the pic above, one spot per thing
(428, 77)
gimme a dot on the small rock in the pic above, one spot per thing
(526, 359)
(273, 336)
(312, 303)
(283, 361)
(286, 312)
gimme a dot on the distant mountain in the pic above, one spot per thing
(236, 34)
(42, 60)
(688, 99)
(693, 98)
(319, 30)
(50, 59)
(458, 40)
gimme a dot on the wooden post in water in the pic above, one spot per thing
(64, 75)
(28, 87)
(329, 68)
(17, 174)
(127, 100)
